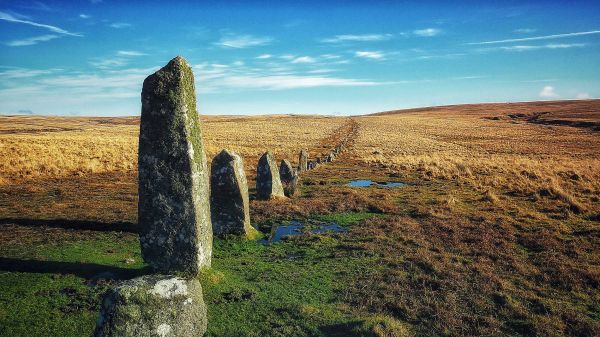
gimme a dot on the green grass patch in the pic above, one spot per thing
(345, 218)
(284, 289)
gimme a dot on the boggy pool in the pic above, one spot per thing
(296, 227)
(371, 183)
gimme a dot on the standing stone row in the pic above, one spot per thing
(173, 214)
(304, 164)
(229, 196)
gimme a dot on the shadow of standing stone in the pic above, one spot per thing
(229, 200)
(153, 305)
(173, 209)
(268, 184)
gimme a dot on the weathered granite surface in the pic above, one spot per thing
(303, 161)
(174, 206)
(153, 306)
(289, 178)
(230, 210)
(268, 184)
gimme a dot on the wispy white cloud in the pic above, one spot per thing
(120, 25)
(440, 56)
(130, 53)
(427, 32)
(287, 56)
(38, 6)
(358, 38)
(583, 95)
(525, 30)
(231, 77)
(264, 56)
(243, 41)
(10, 18)
(31, 40)
(108, 63)
(538, 47)
(374, 55)
(84, 16)
(548, 92)
(304, 59)
(535, 38)
(330, 56)
(12, 73)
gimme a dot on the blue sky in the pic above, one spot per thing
(91, 57)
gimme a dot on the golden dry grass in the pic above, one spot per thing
(38, 147)
(482, 146)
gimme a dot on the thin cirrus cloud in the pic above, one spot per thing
(11, 18)
(427, 32)
(304, 59)
(130, 53)
(31, 40)
(373, 55)
(536, 38)
(121, 59)
(520, 48)
(120, 25)
(358, 38)
(219, 77)
(243, 41)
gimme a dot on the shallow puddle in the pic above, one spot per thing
(369, 183)
(295, 228)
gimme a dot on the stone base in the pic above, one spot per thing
(153, 306)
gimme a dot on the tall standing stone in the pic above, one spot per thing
(289, 178)
(303, 161)
(229, 201)
(268, 184)
(174, 206)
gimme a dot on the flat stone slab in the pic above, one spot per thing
(153, 306)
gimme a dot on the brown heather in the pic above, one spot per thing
(496, 234)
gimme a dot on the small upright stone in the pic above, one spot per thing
(174, 205)
(289, 178)
(153, 305)
(268, 184)
(229, 196)
(303, 161)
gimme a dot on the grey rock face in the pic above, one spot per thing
(229, 196)
(303, 161)
(153, 306)
(289, 178)
(174, 206)
(268, 184)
